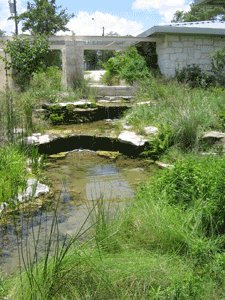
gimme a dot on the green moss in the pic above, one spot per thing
(54, 108)
(56, 118)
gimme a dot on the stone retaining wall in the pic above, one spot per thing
(187, 50)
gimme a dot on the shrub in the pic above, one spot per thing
(48, 80)
(194, 76)
(128, 65)
(26, 57)
(218, 65)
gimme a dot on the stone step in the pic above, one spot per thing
(115, 91)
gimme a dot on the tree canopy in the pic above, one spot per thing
(200, 13)
(42, 18)
(2, 32)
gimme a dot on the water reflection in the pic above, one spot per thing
(106, 181)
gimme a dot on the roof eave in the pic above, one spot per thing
(183, 30)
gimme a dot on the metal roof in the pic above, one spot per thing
(199, 27)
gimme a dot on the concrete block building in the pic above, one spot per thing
(186, 44)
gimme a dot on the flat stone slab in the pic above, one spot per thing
(132, 138)
(164, 165)
(215, 138)
(116, 101)
(143, 103)
(214, 135)
(38, 139)
(64, 104)
(103, 101)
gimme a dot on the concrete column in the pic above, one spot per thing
(73, 62)
(3, 78)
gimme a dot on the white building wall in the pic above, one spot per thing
(179, 50)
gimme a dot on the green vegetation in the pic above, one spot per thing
(13, 174)
(180, 112)
(169, 242)
(128, 65)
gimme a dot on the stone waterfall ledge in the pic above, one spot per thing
(132, 138)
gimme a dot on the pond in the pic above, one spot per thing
(77, 181)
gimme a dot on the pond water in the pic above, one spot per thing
(77, 181)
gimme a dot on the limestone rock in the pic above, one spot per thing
(3, 206)
(132, 138)
(136, 170)
(103, 101)
(39, 139)
(143, 103)
(41, 189)
(151, 130)
(214, 138)
(214, 135)
(164, 165)
(116, 101)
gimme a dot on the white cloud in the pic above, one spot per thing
(83, 24)
(92, 24)
(166, 8)
(149, 4)
(167, 15)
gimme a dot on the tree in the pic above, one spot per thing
(26, 57)
(42, 18)
(200, 13)
(2, 32)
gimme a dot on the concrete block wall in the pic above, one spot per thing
(187, 50)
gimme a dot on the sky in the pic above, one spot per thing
(121, 16)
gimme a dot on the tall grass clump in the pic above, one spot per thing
(46, 84)
(81, 87)
(178, 110)
(13, 173)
